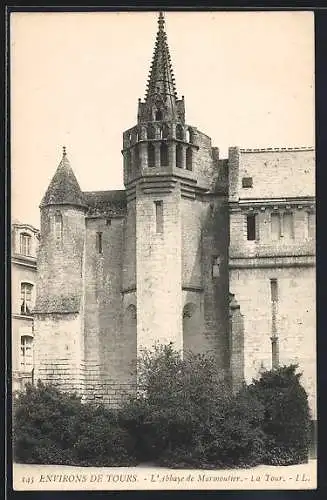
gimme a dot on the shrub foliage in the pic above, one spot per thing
(52, 427)
(185, 415)
(286, 423)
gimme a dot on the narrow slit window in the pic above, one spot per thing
(58, 226)
(189, 155)
(151, 155)
(159, 216)
(274, 290)
(215, 267)
(179, 156)
(99, 242)
(164, 154)
(251, 228)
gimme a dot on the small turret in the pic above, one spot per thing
(63, 188)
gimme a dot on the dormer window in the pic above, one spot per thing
(25, 244)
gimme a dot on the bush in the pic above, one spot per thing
(287, 418)
(186, 414)
(51, 427)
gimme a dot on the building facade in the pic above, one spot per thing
(25, 239)
(212, 254)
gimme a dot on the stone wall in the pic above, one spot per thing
(59, 350)
(296, 319)
(277, 173)
(158, 268)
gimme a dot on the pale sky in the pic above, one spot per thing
(247, 78)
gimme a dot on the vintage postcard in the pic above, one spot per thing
(163, 250)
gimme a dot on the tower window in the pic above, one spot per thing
(158, 115)
(274, 290)
(179, 132)
(165, 131)
(179, 156)
(151, 132)
(247, 182)
(251, 227)
(189, 158)
(58, 226)
(128, 162)
(26, 352)
(164, 154)
(215, 267)
(26, 298)
(25, 244)
(99, 242)
(159, 216)
(137, 158)
(151, 155)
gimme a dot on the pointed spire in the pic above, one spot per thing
(63, 188)
(161, 78)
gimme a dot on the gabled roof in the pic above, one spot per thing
(64, 188)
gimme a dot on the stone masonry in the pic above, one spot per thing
(211, 254)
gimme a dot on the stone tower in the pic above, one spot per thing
(59, 305)
(170, 174)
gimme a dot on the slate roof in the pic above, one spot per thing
(106, 203)
(64, 188)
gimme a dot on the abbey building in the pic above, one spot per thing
(214, 254)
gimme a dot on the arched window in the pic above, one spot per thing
(25, 244)
(179, 132)
(58, 226)
(26, 352)
(151, 155)
(158, 115)
(179, 156)
(26, 298)
(189, 158)
(164, 155)
(187, 135)
(151, 132)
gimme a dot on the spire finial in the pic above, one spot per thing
(161, 21)
(64, 151)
